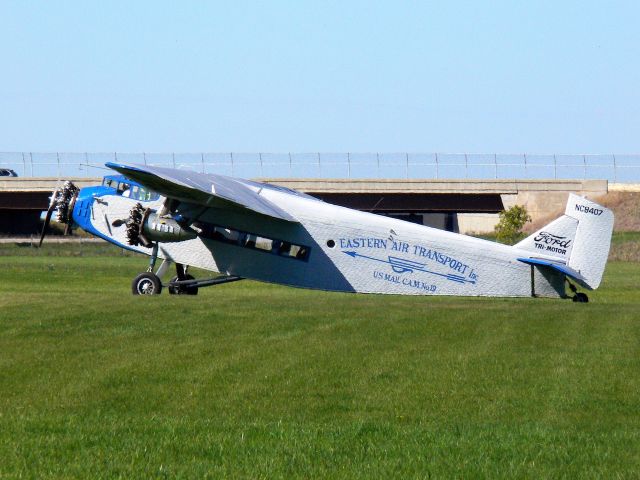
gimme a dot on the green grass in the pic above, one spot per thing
(260, 381)
(624, 237)
(71, 249)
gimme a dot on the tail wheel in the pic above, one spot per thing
(183, 289)
(146, 283)
(580, 298)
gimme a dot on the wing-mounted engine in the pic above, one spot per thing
(145, 226)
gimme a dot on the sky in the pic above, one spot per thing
(346, 76)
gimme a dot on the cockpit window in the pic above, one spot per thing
(144, 195)
(123, 187)
(126, 189)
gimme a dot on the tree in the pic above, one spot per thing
(509, 228)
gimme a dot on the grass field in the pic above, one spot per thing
(259, 381)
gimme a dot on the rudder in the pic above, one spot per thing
(580, 239)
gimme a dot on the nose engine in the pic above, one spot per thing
(61, 201)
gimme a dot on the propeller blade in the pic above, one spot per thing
(70, 206)
(47, 218)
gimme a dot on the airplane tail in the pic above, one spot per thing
(579, 240)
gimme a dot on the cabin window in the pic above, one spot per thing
(249, 241)
(225, 235)
(284, 248)
(299, 252)
(252, 241)
(264, 244)
(287, 249)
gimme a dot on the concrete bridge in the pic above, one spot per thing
(23, 199)
(457, 205)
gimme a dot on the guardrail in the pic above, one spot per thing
(612, 167)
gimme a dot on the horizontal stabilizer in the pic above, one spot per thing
(559, 267)
(216, 191)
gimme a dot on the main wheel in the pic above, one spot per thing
(146, 283)
(580, 298)
(182, 289)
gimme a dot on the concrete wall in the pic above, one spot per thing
(477, 222)
(42, 184)
(541, 197)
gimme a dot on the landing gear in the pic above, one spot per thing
(580, 298)
(180, 284)
(177, 289)
(146, 283)
(577, 297)
(182, 289)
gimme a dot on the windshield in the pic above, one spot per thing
(133, 191)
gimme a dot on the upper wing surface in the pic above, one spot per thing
(205, 189)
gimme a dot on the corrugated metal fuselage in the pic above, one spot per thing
(346, 250)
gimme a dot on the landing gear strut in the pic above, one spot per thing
(578, 297)
(149, 283)
(182, 288)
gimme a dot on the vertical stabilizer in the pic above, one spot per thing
(593, 238)
(580, 239)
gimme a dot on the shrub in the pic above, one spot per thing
(509, 228)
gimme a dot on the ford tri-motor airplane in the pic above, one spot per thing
(245, 229)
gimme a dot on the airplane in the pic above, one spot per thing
(247, 229)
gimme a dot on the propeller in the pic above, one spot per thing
(62, 200)
(47, 218)
(135, 226)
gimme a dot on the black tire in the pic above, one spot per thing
(146, 283)
(182, 290)
(580, 298)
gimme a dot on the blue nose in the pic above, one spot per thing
(82, 209)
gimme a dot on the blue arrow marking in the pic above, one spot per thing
(401, 265)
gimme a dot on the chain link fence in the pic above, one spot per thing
(615, 168)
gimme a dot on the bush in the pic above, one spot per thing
(509, 228)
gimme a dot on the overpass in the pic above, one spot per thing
(23, 199)
(458, 205)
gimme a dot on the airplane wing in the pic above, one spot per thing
(558, 267)
(204, 189)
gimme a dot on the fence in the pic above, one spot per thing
(615, 168)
